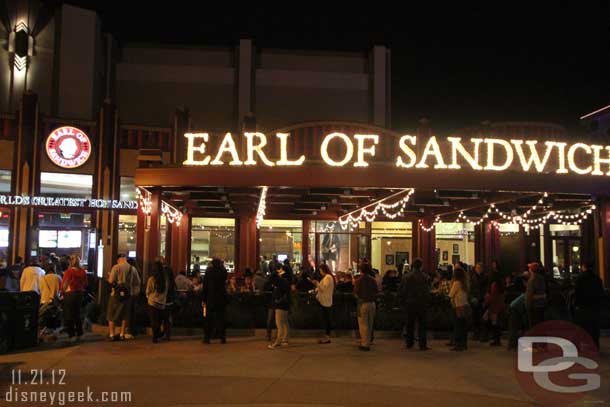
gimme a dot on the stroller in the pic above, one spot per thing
(49, 319)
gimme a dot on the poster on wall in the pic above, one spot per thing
(389, 259)
(456, 248)
(402, 258)
(445, 255)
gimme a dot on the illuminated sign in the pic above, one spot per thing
(452, 153)
(68, 147)
(62, 202)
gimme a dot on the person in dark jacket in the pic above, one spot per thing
(479, 285)
(415, 295)
(214, 300)
(281, 306)
(588, 295)
(366, 291)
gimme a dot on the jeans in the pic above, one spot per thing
(215, 324)
(72, 318)
(281, 320)
(156, 317)
(461, 332)
(416, 313)
(366, 319)
(326, 319)
(270, 319)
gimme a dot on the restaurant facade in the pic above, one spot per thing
(242, 153)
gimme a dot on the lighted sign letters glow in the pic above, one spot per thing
(360, 151)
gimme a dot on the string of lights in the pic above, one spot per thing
(171, 214)
(262, 207)
(391, 211)
(144, 201)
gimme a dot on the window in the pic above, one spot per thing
(128, 189)
(341, 249)
(391, 245)
(282, 238)
(4, 235)
(5, 181)
(127, 234)
(62, 234)
(213, 238)
(163, 236)
(454, 242)
(70, 185)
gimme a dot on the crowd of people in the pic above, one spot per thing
(481, 300)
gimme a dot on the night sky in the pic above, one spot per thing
(456, 65)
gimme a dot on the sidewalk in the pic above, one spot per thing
(184, 372)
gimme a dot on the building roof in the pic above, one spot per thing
(596, 113)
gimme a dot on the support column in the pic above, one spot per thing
(426, 244)
(305, 249)
(588, 241)
(24, 173)
(245, 80)
(151, 233)
(182, 124)
(247, 241)
(179, 245)
(106, 182)
(479, 244)
(380, 68)
(604, 243)
(523, 248)
(548, 249)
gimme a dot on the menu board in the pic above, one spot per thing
(47, 238)
(67, 239)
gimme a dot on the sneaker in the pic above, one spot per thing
(272, 346)
(284, 344)
(129, 337)
(324, 341)
(364, 348)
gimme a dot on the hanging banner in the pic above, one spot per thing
(65, 202)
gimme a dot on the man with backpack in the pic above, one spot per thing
(121, 279)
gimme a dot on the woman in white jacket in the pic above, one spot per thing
(324, 294)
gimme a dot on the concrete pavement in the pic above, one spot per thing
(184, 372)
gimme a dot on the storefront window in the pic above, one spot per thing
(4, 236)
(282, 238)
(565, 244)
(128, 189)
(454, 242)
(70, 185)
(127, 235)
(63, 234)
(341, 249)
(162, 236)
(5, 181)
(391, 245)
(212, 238)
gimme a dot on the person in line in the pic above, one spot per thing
(119, 304)
(415, 295)
(535, 294)
(588, 295)
(366, 291)
(479, 283)
(303, 284)
(156, 295)
(31, 276)
(183, 283)
(517, 319)
(461, 308)
(170, 300)
(135, 289)
(17, 268)
(494, 301)
(259, 282)
(281, 306)
(74, 286)
(345, 284)
(8, 281)
(390, 281)
(269, 302)
(264, 265)
(325, 289)
(214, 301)
(50, 301)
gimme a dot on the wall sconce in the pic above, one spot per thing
(20, 46)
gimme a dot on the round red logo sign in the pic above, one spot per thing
(68, 147)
